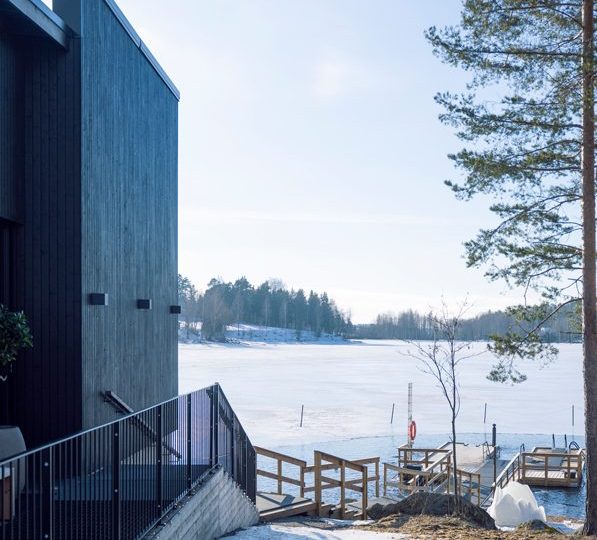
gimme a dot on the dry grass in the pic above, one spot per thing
(453, 528)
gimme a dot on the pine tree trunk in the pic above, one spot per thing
(589, 268)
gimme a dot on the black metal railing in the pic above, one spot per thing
(119, 480)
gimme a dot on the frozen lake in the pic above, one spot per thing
(348, 391)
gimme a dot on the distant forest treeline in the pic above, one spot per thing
(269, 304)
(413, 325)
(272, 304)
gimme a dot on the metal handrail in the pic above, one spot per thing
(506, 472)
(115, 481)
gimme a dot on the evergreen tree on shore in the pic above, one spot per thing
(269, 304)
(527, 122)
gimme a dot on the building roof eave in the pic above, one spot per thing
(42, 18)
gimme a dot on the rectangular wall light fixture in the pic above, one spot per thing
(144, 303)
(98, 299)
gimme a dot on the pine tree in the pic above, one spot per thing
(314, 313)
(300, 308)
(531, 148)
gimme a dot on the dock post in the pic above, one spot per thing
(302, 411)
(317, 460)
(410, 413)
(494, 444)
(392, 418)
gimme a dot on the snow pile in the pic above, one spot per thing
(515, 504)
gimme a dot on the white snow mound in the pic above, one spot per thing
(515, 504)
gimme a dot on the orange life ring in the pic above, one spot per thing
(412, 430)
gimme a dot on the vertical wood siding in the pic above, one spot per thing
(11, 89)
(47, 379)
(129, 220)
(88, 165)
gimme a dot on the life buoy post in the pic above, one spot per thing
(412, 431)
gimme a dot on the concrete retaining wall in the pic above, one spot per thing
(218, 507)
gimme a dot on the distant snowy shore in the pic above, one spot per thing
(249, 333)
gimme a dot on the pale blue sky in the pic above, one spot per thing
(310, 148)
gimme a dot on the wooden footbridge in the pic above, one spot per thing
(351, 487)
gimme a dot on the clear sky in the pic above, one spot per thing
(310, 148)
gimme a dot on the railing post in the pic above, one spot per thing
(47, 487)
(449, 478)
(279, 476)
(365, 492)
(214, 424)
(189, 442)
(317, 463)
(343, 489)
(377, 478)
(158, 462)
(116, 495)
(233, 472)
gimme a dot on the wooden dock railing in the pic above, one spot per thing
(435, 473)
(469, 484)
(278, 475)
(322, 463)
(429, 455)
(427, 478)
(325, 462)
(511, 472)
(538, 466)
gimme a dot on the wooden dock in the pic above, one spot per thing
(417, 469)
(545, 467)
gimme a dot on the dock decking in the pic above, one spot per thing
(545, 467)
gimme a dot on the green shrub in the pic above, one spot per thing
(14, 335)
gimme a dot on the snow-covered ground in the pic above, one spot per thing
(348, 390)
(287, 532)
(242, 333)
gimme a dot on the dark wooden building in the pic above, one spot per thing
(88, 214)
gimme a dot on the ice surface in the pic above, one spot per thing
(515, 504)
(348, 391)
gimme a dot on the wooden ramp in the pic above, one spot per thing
(273, 506)
(485, 472)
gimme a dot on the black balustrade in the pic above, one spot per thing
(119, 480)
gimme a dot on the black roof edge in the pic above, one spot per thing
(128, 27)
(45, 19)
